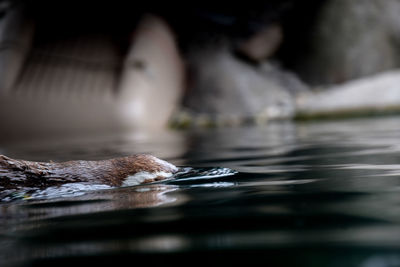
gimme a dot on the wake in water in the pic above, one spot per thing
(185, 176)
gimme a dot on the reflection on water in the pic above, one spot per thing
(78, 189)
(305, 194)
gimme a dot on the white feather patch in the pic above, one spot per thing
(140, 177)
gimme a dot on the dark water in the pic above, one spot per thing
(305, 194)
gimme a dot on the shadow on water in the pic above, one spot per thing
(305, 194)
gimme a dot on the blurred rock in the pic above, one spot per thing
(378, 93)
(263, 44)
(16, 33)
(82, 81)
(151, 85)
(225, 90)
(352, 39)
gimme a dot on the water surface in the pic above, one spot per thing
(300, 194)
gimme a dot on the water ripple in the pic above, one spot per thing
(323, 193)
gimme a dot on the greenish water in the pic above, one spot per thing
(305, 194)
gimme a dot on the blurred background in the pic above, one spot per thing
(252, 83)
(83, 67)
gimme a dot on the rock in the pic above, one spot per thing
(16, 33)
(263, 44)
(352, 39)
(225, 90)
(379, 93)
(151, 85)
(79, 81)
